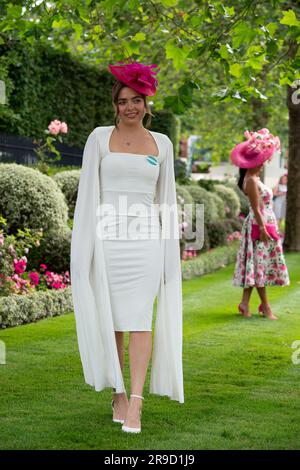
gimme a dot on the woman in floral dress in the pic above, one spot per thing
(260, 260)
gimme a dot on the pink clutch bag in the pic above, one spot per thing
(271, 229)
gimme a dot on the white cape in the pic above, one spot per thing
(90, 290)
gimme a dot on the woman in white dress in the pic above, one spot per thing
(125, 251)
(279, 193)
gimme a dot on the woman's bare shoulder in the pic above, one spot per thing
(250, 184)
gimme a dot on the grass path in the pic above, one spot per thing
(241, 387)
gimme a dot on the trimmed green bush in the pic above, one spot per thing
(232, 203)
(44, 83)
(208, 184)
(68, 183)
(183, 197)
(219, 205)
(244, 201)
(168, 123)
(206, 243)
(217, 232)
(210, 261)
(183, 192)
(234, 225)
(180, 171)
(54, 251)
(201, 196)
(18, 309)
(50, 84)
(29, 199)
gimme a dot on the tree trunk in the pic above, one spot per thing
(292, 233)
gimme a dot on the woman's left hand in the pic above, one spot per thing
(264, 236)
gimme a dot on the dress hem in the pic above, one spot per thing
(129, 331)
(246, 286)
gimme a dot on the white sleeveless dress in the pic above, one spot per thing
(131, 236)
(114, 281)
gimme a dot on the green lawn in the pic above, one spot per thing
(241, 387)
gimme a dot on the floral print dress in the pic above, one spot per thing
(260, 263)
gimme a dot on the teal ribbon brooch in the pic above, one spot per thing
(152, 160)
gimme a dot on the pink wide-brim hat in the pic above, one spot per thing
(137, 76)
(259, 147)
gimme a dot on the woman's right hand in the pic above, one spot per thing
(264, 236)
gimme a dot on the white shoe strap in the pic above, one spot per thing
(137, 396)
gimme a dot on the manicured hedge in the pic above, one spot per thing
(209, 185)
(51, 84)
(68, 183)
(201, 196)
(244, 201)
(167, 123)
(217, 232)
(44, 83)
(18, 309)
(29, 199)
(54, 251)
(229, 196)
(219, 204)
(209, 261)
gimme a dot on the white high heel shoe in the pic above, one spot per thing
(114, 419)
(128, 428)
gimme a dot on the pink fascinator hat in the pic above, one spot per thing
(140, 77)
(259, 147)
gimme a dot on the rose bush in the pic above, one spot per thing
(13, 264)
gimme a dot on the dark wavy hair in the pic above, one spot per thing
(117, 87)
(243, 172)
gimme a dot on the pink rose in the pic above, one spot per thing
(43, 266)
(19, 266)
(54, 127)
(56, 285)
(64, 128)
(34, 277)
